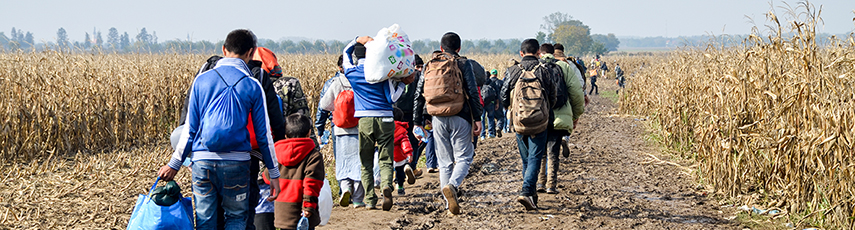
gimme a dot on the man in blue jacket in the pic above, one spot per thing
(215, 132)
(373, 104)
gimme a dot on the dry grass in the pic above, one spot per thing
(769, 122)
(84, 134)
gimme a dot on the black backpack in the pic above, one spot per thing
(557, 77)
(488, 93)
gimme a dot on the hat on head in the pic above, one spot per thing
(268, 61)
(359, 51)
(494, 72)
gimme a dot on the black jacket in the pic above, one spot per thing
(472, 108)
(514, 73)
(274, 111)
(407, 100)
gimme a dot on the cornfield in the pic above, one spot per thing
(83, 134)
(769, 122)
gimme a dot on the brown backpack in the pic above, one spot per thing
(443, 86)
(529, 106)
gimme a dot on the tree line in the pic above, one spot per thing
(557, 28)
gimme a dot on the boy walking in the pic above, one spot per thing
(530, 116)
(303, 174)
(373, 104)
(448, 92)
(215, 132)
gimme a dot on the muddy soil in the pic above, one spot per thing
(610, 181)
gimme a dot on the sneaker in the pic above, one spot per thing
(344, 200)
(482, 138)
(540, 188)
(450, 194)
(370, 207)
(433, 170)
(551, 191)
(527, 202)
(411, 177)
(401, 192)
(418, 172)
(499, 134)
(358, 205)
(387, 199)
(565, 148)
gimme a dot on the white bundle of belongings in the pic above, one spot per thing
(390, 55)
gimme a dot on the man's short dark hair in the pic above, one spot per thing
(547, 48)
(450, 42)
(559, 46)
(240, 41)
(397, 114)
(529, 46)
(297, 125)
(340, 60)
(418, 60)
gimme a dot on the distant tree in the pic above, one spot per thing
(499, 46)
(420, 47)
(124, 41)
(4, 41)
(320, 46)
(541, 37)
(433, 45)
(87, 42)
(467, 46)
(336, 46)
(287, 46)
(62, 38)
(143, 39)
(514, 46)
(305, 46)
(98, 40)
(483, 46)
(29, 40)
(14, 34)
(576, 40)
(610, 42)
(113, 38)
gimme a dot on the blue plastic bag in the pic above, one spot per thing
(148, 215)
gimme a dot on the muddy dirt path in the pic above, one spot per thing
(608, 182)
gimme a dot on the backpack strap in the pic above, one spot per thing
(224, 80)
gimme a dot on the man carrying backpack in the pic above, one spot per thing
(215, 131)
(499, 112)
(490, 96)
(530, 96)
(565, 118)
(448, 91)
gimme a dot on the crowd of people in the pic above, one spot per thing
(254, 154)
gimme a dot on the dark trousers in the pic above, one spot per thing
(264, 221)
(417, 148)
(594, 87)
(399, 176)
(549, 167)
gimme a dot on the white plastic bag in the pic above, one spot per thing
(390, 55)
(325, 203)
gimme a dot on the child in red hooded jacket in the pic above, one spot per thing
(403, 152)
(301, 174)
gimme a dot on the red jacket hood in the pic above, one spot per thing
(401, 129)
(292, 151)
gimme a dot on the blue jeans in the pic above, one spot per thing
(532, 149)
(430, 151)
(488, 121)
(221, 184)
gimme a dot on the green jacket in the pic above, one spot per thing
(575, 106)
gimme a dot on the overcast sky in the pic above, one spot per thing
(342, 20)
